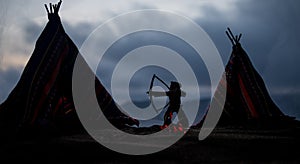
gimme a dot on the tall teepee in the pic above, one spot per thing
(42, 99)
(247, 101)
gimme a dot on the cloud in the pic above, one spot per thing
(8, 80)
(271, 37)
(31, 31)
(270, 31)
(78, 32)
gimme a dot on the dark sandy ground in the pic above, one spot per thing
(224, 145)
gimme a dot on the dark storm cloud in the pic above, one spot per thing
(32, 31)
(273, 29)
(78, 32)
(139, 39)
(271, 38)
(270, 35)
(8, 80)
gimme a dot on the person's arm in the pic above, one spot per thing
(157, 93)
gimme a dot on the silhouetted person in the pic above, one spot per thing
(174, 104)
(174, 95)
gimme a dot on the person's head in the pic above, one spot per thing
(174, 85)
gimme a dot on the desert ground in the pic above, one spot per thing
(224, 145)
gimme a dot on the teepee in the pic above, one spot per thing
(247, 101)
(42, 99)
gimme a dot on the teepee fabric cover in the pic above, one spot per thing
(247, 101)
(43, 96)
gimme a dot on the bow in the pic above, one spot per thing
(150, 90)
